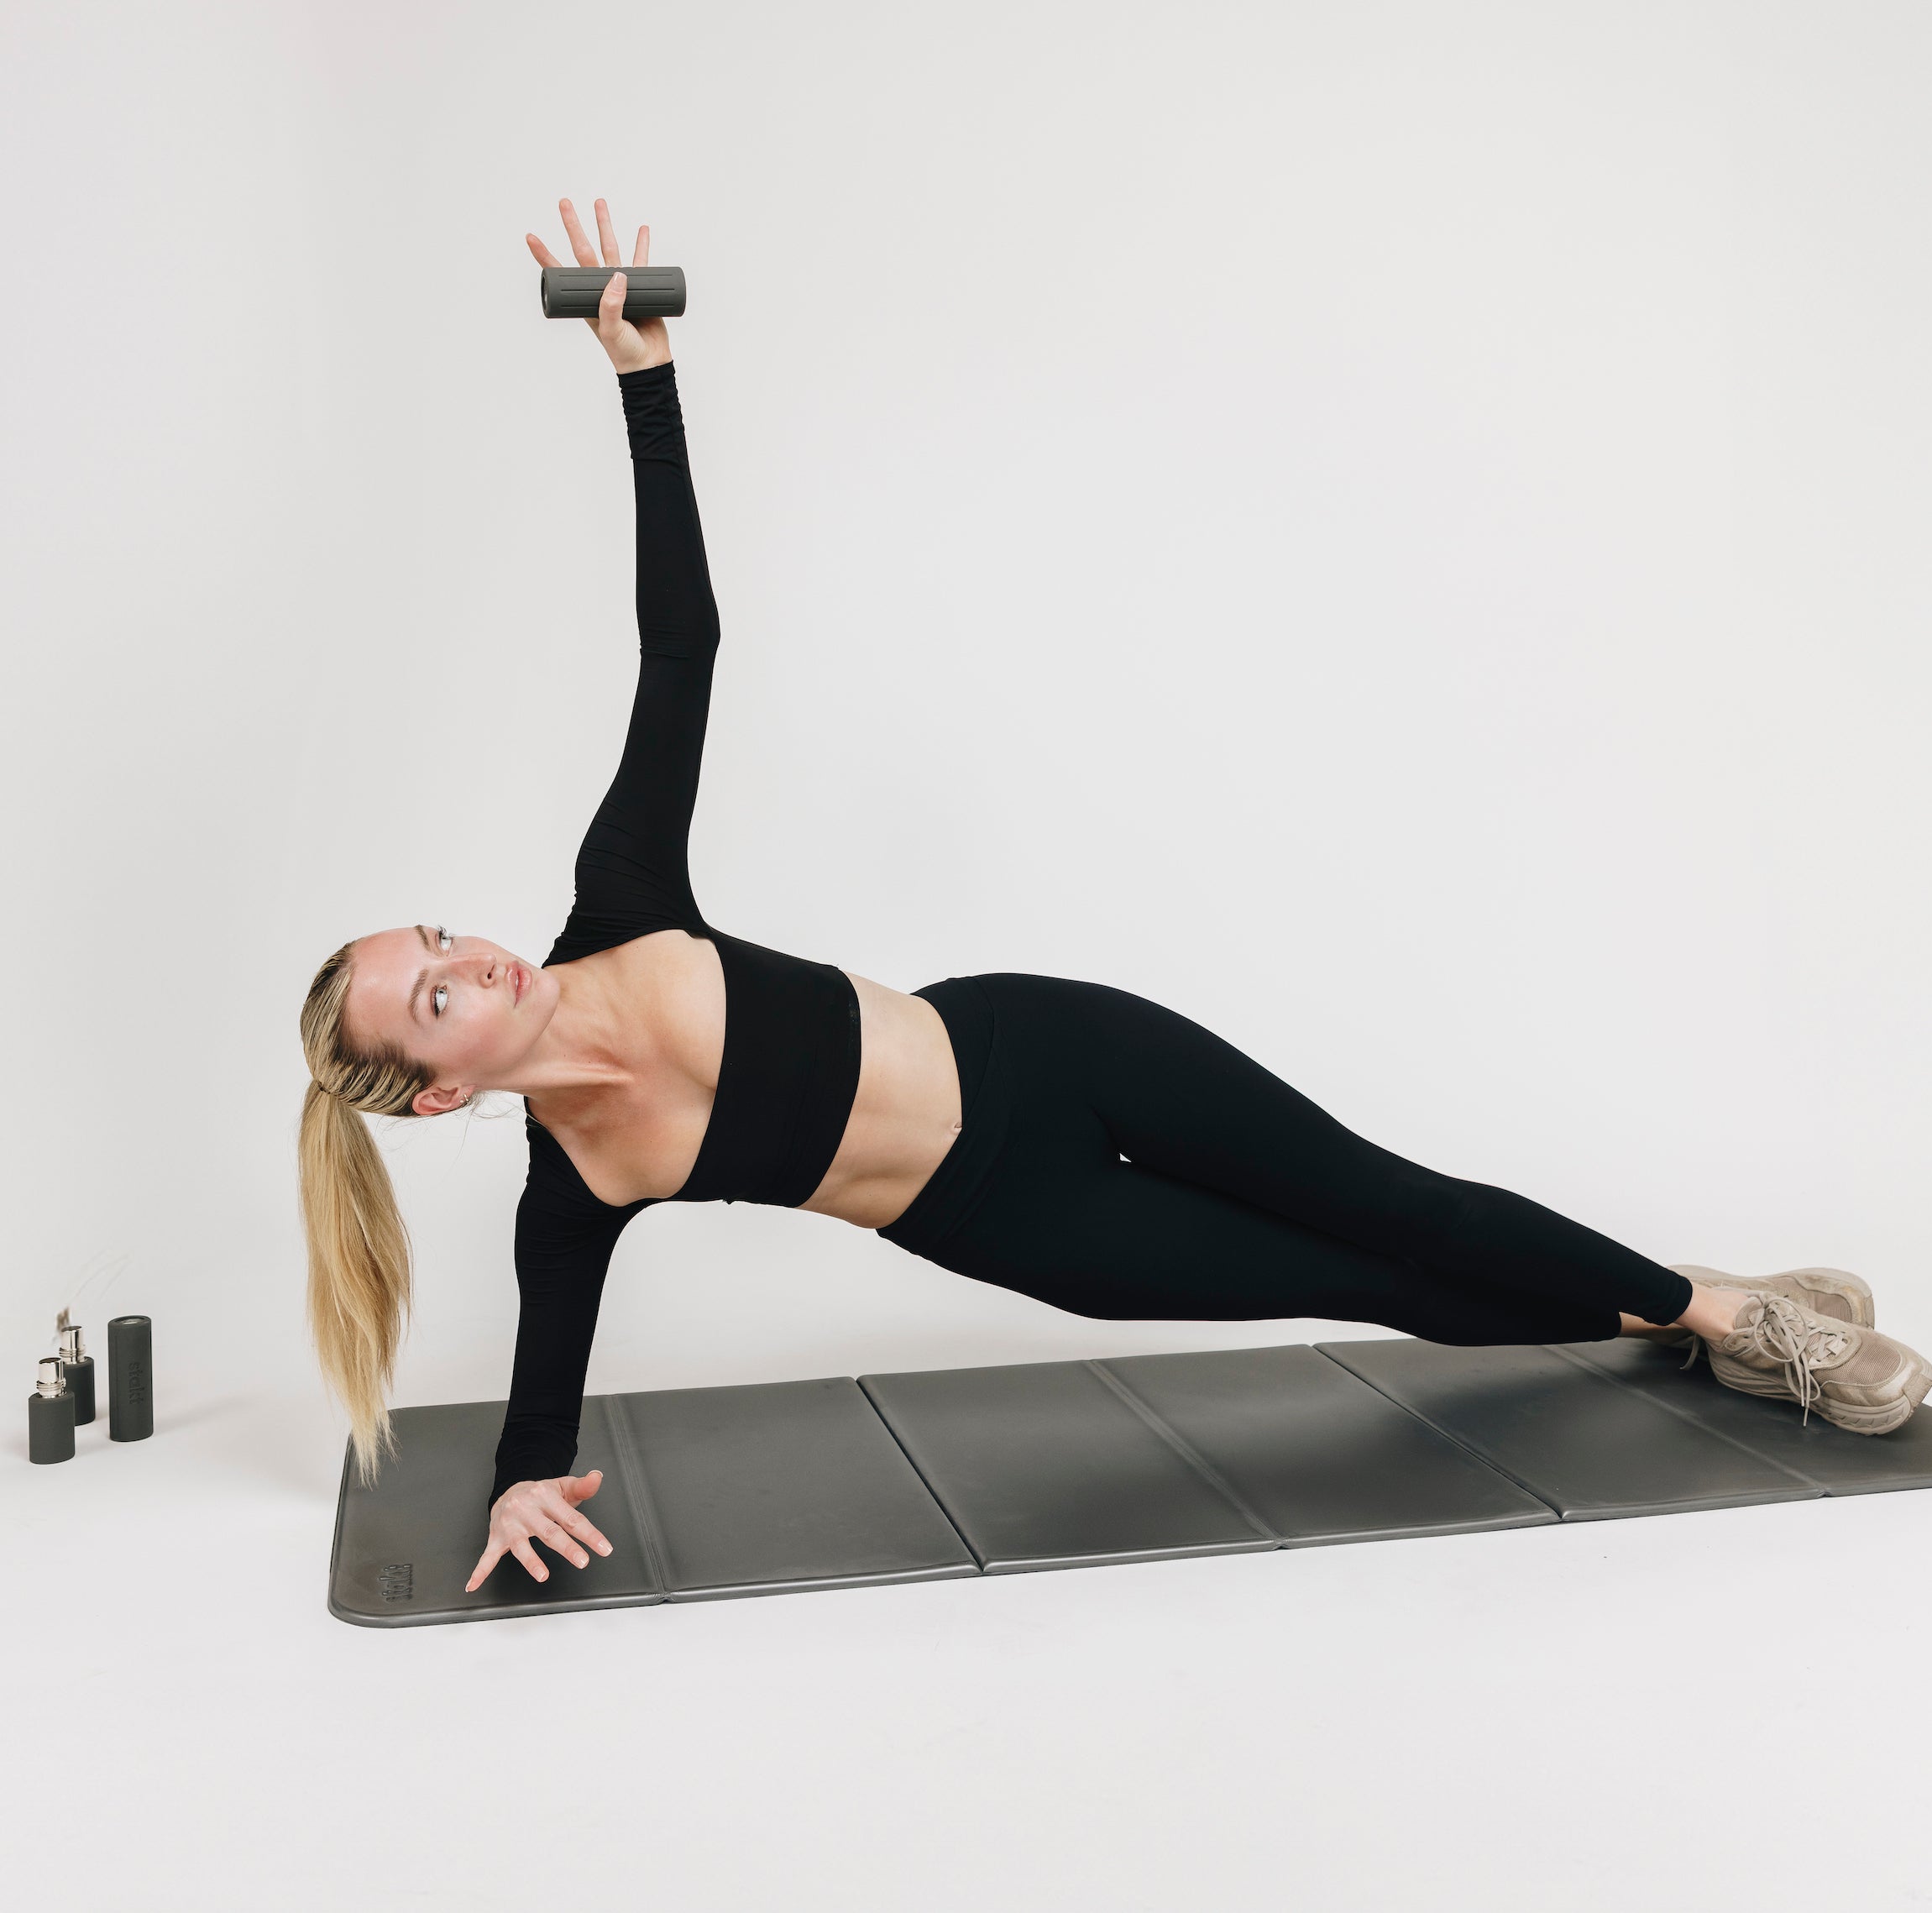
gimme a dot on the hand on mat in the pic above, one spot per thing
(632, 344)
(543, 1511)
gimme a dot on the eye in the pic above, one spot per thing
(444, 940)
(438, 998)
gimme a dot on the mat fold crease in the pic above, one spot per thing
(942, 1474)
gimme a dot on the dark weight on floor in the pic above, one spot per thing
(653, 292)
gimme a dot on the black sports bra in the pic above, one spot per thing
(790, 1069)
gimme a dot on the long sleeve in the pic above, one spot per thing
(633, 879)
(564, 1241)
(632, 873)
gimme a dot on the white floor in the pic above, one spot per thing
(1703, 1711)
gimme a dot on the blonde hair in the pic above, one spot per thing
(359, 1284)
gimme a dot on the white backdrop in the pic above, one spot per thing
(1397, 530)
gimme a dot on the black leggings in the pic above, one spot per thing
(1116, 1160)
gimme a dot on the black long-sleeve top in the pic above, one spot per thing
(791, 1060)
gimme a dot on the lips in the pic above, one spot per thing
(519, 982)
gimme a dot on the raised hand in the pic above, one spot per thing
(546, 1511)
(632, 344)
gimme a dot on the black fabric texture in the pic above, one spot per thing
(1114, 1159)
(1117, 1160)
(790, 1069)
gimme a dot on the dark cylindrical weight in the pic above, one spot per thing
(77, 1377)
(651, 291)
(77, 1370)
(50, 1417)
(130, 1378)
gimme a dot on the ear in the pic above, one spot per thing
(442, 1098)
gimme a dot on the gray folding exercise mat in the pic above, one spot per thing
(779, 1486)
(706, 1492)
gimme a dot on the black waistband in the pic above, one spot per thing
(948, 1195)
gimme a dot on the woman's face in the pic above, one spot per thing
(462, 1005)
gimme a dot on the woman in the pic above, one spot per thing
(1065, 1140)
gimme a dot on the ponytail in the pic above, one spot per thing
(358, 1260)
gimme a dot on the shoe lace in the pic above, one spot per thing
(1784, 1332)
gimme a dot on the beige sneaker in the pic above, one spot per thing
(1835, 1292)
(1853, 1376)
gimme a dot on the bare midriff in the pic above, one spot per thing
(657, 1006)
(904, 1117)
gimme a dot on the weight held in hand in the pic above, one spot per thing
(651, 291)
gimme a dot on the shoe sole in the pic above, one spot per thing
(1859, 1418)
(1855, 1289)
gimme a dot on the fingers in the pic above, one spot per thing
(554, 1536)
(641, 253)
(572, 1489)
(607, 236)
(540, 252)
(544, 1511)
(491, 1555)
(577, 1524)
(580, 245)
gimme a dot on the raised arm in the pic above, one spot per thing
(631, 879)
(632, 873)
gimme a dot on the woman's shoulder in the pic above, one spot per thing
(587, 936)
(555, 1185)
